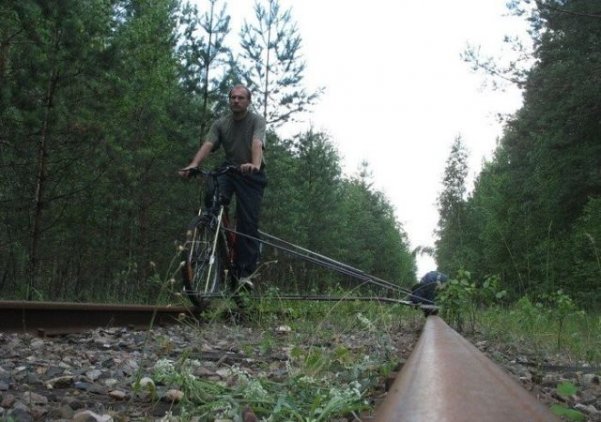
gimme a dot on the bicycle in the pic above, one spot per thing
(209, 248)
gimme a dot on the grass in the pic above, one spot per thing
(548, 334)
(337, 358)
(576, 337)
(338, 354)
(550, 324)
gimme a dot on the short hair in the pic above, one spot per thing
(240, 86)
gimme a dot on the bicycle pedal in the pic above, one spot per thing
(245, 282)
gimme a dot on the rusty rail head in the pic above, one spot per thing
(59, 318)
(447, 379)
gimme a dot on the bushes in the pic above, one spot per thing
(461, 298)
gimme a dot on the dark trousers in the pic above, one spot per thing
(248, 189)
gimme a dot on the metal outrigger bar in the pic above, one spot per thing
(340, 267)
(326, 298)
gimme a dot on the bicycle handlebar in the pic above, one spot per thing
(197, 171)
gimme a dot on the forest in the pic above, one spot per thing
(102, 101)
(533, 218)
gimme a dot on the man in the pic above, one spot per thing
(241, 133)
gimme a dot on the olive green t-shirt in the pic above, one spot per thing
(235, 136)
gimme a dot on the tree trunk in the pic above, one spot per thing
(41, 178)
(205, 91)
(267, 66)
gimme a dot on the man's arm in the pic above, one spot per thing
(256, 148)
(256, 153)
(202, 153)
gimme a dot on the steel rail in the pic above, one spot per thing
(447, 379)
(53, 318)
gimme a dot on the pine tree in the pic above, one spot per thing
(53, 59)
(528, 204)
(451, 206)
(205, 57)
(272, 65)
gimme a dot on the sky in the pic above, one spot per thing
(397, 92)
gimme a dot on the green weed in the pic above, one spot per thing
(545, 328)
(460, 299)
(560, 306)
(328, 375)
(567, 389)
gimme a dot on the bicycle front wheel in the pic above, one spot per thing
(203, 272)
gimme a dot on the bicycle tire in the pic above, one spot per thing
(203, 279)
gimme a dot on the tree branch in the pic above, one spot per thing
(567, 12)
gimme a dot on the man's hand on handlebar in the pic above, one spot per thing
(187, 171)
(248, 168)
(192, 170)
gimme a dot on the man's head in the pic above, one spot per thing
(239, 97)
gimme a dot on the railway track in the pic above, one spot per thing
(444, 379)
(448, 379)
(52, 318)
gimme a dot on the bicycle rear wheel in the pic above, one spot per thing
(205, 262)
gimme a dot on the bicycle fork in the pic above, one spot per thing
(214, 248)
